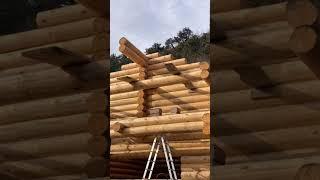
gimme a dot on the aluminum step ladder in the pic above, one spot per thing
(158, 140)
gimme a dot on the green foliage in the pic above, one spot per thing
(185, 44)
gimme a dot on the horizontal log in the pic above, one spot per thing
(44, 128)
(234, 52)
(125, 108)
(194, 86)
(161, 59)
(176, 94)
(155, 66)
(47, 166)
(88, 45)
(203, 105)
(153, 83)
(290, 93)
(250, 16)
(132, 77)
(126, 95)
(66, 177)
(273, 169)
(64, 32)
(195, 159)
(185, 67)
(139, 147)
(63, 15)
(125, 72)
(179, 100)
(269, 141)
(126, 114)
(157, 120)
(196, 175)
(165, 128)
(175, 153)
(153, 55)
(246, 121)
(50, 82)
(295, 70)
(301, 13)
(134, 100)
(38, 148)
(44, 108)
(288, 154)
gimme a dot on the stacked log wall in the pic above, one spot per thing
(45, 110)
(264, 93)
(159, 101)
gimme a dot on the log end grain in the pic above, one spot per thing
(303, 39)
(301, 12)
(205, 74)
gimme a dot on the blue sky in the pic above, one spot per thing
(144, 22)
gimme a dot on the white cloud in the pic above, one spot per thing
(145, 22)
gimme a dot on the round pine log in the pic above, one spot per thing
(175, 94)
(126, 95)
(128, 107)
(88, 45)
(195, 159)
(153, 55)
(160, 59)
(127, 101)
(186, 107)
(44, 108)
(29, 149)
(155, 66)
(63, 15)
(42, 128)
(164, 128)
(196, 85)
(245, 18)
(179, 100)
(158, 120)
(302, 12)
(196, 175)
(125, 72)
(185, 67)
(47, 83)
(64, 32)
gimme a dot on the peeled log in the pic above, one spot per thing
(155, 66)
(48, 83)
(29, 149)
(204, 105)
(285, 169)
(305, 43)
(178, 87)
(269, 141)
(165, 128)
(127, 101)
(263, 46)
(44, 128)
(185, 67)
(158, 120)
(132, 55)
(153, 83)
(175, 94)
(64, 32)
(161, 59)
(153, 55)
(295, 70)
(125, 95)
(47, 166)
(44, 108)
(250, 17)
(195, 175)
(64, 15)
(179, 100)
(125, 42)
(302, 12)
(125, 72)
(88, 45)
(290, 93)
(246, 121)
